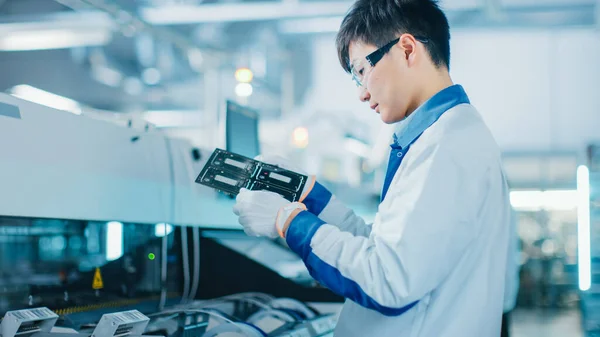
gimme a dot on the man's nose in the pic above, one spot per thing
(363, 94)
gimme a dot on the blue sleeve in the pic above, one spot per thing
(317, 199)
(326, 206)
(299, 236)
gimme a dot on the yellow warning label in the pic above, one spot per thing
(98, 284)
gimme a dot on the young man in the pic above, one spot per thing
(433, 262)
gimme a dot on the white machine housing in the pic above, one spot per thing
(21, 323)
(54, 164)
(121, 324)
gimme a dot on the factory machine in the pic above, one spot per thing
(103, 233)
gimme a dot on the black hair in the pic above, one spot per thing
(378, 22)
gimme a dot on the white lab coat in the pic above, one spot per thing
(513, 266)
(433, 262)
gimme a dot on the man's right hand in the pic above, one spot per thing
(317, 198)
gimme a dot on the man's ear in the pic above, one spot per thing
(408, 43)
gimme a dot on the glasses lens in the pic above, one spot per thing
(358, 72)
(356, 80)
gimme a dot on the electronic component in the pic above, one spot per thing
(126, 323)
(182, 324)
(192, 324)
(23, 323)
(296, 306)
(322, 325)
(299, 332)
(269, 320)
(234, 329)
(316, 327)
(229, 172)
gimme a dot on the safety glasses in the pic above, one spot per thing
(359, 69)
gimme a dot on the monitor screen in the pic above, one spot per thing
(242, 130)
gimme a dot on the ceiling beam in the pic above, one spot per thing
(55, 31)
(66, 20)
(510, 18)
(173, 14)
(485, 13)
(234, 12)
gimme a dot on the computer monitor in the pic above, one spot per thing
(241, 130)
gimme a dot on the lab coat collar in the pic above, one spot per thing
(416, 123)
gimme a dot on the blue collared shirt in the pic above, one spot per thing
(411, 128)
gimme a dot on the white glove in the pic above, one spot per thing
(286, 164)
(264, 213)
